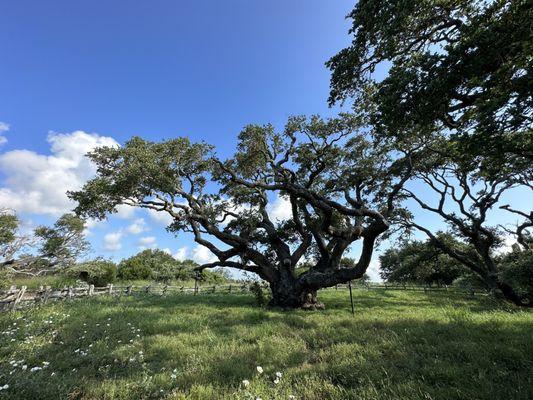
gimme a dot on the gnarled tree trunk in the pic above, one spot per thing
(288, 293)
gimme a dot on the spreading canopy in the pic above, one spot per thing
(462, 68)
(339, 186)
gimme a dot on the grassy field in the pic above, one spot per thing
(58, 281)
(399, 345)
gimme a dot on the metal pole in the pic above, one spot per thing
(351, 296)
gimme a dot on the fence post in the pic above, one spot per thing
(229, 290)
(70, 292)
(128, 290)
(351, 297)
(91, 290)
(39, 295)
(214, 288)
(165, 290)
(47, 291)
(110, 288)
(18, 297)
(147, 289)
(196, 277)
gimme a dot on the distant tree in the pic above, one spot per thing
(146, 265)
(516, 269)
(340, 188)
(420, 262)
(9, 224)
(458, 75)
(98, 272)
(160, 266)
(46, 250)
(461, 69)
(463, 198)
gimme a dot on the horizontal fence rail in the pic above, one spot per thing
(15, 298)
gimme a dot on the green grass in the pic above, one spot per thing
(58, 281)
(399, 345)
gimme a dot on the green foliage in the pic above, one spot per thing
(9, 224)
(160, 266)
(134, 269)
(260, 292)
(218, 276)
(97, 272)
(420, 262)
(63, 242)
(455, 66)
(5, 279)
(148, 264)
(138, 169)
(516, 269)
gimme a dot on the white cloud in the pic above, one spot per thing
(280, 209)
(138, 226)
(38, 183)
(125, 211)
(112, 241)
(147, 242)
(91, 223)
(3, 128)
(161, 217)
(373, 271)
(181, 254)
(202, 255)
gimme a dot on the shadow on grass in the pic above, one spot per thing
(219, 339)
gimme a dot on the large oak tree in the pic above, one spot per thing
(339, 187)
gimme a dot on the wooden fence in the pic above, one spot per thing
(15, 298)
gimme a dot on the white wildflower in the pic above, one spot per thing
(259, 369)
(5, 387)
(279, 374)
(276, 381)
(246, 383)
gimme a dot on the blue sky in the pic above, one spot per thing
(79, 73)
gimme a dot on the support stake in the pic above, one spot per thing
(351, 297)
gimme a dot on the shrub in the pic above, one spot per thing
(260, 292)
(213, 277)
(5, 279)
(96, 272)
(173, 270)
(470, 281)
(516, 269)
(133, 268)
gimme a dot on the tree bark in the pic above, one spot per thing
(511, 295)
(286, 293)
